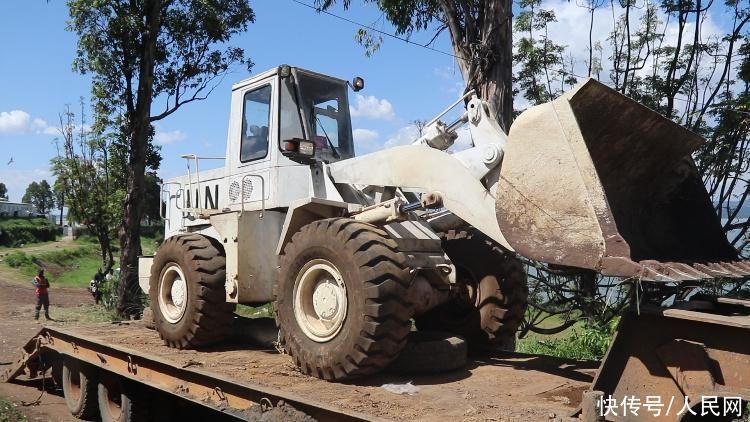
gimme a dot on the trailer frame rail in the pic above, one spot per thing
(239, 399)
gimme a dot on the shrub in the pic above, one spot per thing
(590, 343)
(19, 231)
(110, 291)
(17, 259)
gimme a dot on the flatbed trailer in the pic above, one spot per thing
(682, 356)
(245, 383)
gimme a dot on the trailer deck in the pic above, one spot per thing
(236, 380)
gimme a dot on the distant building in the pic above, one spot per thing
(16, 209)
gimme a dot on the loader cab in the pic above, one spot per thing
(315, 108)
(287, 104)
(267, 112)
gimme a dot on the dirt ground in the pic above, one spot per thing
(17, 326)
(507, 387)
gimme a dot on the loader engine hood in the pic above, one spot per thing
(596, 180)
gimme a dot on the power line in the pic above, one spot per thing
(388, 34)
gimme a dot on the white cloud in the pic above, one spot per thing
(19, 122)
(14, 122)
(364, 135)
(18, 180)
(366, 141)
(571, 15)
(164, 138)
(40, 126)
(404, 136)
(372, 108)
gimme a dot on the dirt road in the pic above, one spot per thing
(17, 325)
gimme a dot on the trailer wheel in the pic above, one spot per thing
(79, 388)
(489, 314)
(187, 292)
(340, 301)
(118, 401)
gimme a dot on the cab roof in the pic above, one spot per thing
(273, 71)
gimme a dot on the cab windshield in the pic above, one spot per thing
(324, 111)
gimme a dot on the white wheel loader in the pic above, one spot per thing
(350, 249)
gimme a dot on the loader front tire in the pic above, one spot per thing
(340, 300)
(187, 292)
(492, 309)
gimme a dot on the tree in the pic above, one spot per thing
(83, 167)
(3, 191)
(138, 51)
(481, 36)
(40, 195)
(32, 191)
(540, 60)
(153, 202)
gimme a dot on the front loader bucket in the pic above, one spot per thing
(595, 180)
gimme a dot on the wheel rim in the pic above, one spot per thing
(320, 301)
(173, 293)
(114, 399)
(74, 384)
(471, 295)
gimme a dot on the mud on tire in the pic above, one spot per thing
(79, 388)
(491, 314)
(206, 317)
(120, 400)
(377, 316)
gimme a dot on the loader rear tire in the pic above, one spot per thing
(340, 300)
(491, 312)
(187, 292)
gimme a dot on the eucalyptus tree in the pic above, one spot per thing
(148, 58)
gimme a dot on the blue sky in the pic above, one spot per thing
(403, 82)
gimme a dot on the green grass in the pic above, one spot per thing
(80, 272)
(578, 342)
(84, 314)
(255, 312)
(9, 411)
(149, 244)
(73, 267)
(68, 267)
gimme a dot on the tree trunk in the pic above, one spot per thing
(486, 59)
(62, 206)
(138, 125)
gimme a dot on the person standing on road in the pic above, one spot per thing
(41, 284)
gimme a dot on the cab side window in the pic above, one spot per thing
(255, 121)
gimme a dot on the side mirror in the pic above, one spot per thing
(358, 84)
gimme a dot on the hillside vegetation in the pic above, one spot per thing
(20, 231)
